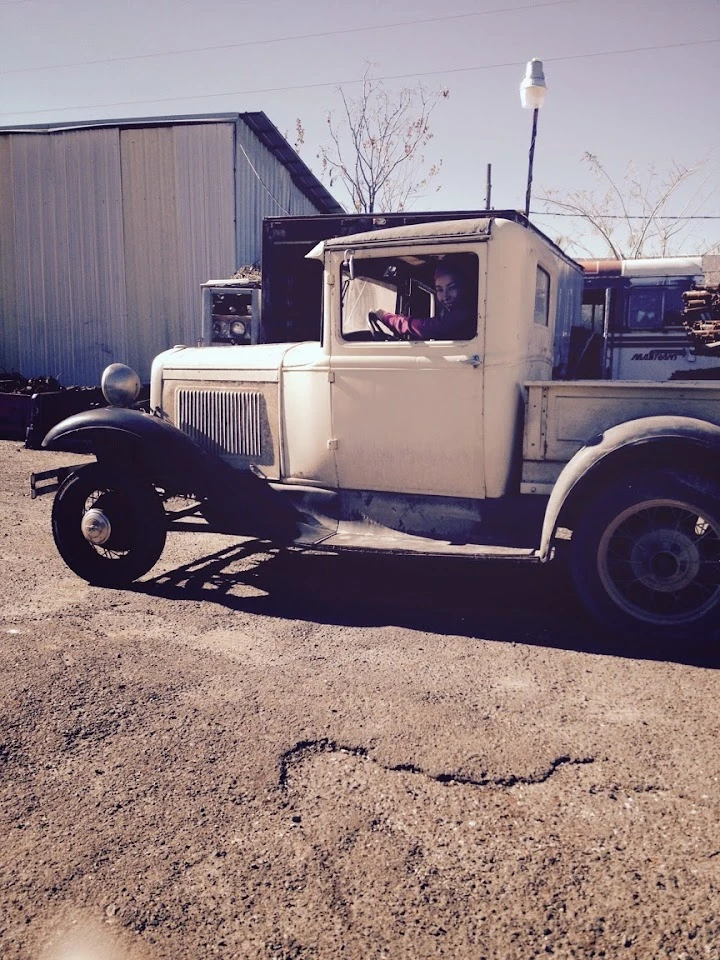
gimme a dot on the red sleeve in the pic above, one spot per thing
(419, 328)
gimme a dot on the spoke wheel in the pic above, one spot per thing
(108, 530)
(646, 554)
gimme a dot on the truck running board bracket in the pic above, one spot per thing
(38, 484)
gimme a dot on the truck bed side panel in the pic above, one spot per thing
(562, 417)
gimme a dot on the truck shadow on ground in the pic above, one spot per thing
(507, 602)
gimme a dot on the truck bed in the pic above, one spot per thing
(561, 416)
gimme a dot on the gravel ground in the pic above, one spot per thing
(263, 755)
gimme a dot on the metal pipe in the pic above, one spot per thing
(530, 161)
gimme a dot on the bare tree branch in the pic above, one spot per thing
(630, 216)
(375, 150)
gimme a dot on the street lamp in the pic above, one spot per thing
(532, 96)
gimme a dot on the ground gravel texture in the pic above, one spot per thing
(262, 755)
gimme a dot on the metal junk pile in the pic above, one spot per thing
(701, 314)
(30, 406)
(701, 319)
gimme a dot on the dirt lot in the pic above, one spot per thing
(268, 756)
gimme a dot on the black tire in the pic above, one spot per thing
(136, 518)
(645, 555)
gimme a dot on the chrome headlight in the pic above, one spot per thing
(120, 385)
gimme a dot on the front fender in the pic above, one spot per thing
(645, 431)
(129, 438)
(238, 500)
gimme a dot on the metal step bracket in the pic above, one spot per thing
(38, 484)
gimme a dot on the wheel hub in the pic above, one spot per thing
(665, 560)
(659, 561)
(96, 527)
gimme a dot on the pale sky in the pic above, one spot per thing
(628, 80)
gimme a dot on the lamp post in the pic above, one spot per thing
(532, 96)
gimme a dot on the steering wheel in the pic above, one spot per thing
(381, 330)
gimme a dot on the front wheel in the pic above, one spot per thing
(645, 555)
(108, 530)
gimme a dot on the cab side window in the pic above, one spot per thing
(410, 298)
(657, 306)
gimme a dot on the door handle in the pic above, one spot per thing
(474, 360)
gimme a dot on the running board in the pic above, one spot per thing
(354, 536)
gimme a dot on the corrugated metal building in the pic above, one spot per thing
(108, 229)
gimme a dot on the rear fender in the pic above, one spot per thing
(676, 442)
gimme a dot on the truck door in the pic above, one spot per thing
(406, 392)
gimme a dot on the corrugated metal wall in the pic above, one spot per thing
(179, 230)
(264, 189)
(106, 234)
(9, 261)
(62, 282)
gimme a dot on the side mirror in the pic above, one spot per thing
(349, 262)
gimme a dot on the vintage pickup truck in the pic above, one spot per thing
(457, 444)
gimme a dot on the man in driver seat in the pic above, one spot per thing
(456, 318)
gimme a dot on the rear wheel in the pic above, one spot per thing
(645, 554)
(109, 530)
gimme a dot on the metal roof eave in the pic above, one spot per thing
(258, 123)
(301, 175)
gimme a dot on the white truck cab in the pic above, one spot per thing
(368, 410)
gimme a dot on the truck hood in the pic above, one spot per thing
(228, 399)
(261, 357)
(258, 363)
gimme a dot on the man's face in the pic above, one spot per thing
(447, 289)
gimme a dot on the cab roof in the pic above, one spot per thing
(443, 231)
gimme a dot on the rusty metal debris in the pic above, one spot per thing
(701, 319)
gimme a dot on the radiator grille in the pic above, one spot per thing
(222, 421)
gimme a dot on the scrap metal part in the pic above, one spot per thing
(701, 319)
